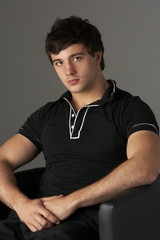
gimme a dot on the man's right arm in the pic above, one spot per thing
(16, 152)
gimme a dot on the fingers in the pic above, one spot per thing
(38, 227)
(49, 216)
(40, 222)
(34, 214)
(33, 228)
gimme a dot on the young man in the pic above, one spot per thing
(97, 141)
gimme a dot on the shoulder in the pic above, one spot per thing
(128, 103)
(47, 109)
(42, 111)
(131, 113)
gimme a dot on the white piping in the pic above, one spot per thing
(146, 124)
(70, 114)
(37, 139)
(81, 125)
(114, 87)
(33, 136)
(95, 105)
(70, 105)
(71, 130)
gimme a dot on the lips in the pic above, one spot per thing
(73, 81)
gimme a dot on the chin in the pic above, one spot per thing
(75, 90)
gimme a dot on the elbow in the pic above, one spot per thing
(154, 176)
(149, 176)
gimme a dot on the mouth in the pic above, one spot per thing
(73, 81)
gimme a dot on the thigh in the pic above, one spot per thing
(10, 228)
(77, 227)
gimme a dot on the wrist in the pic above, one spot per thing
(19, 201)
(73, 200)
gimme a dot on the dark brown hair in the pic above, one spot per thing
(72, 30)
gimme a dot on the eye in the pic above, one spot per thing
(75, 59)
(59, 63)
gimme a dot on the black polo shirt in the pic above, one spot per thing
(80, 148)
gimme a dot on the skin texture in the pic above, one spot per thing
(81, 74)
(75, 63)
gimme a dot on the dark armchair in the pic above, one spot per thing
(135, 215)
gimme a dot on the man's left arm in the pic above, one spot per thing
(140, 168)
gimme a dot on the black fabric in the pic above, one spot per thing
(82, 225)
(101, 129)
(79, 149)
(79, 226)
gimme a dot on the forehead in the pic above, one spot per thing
(69, 51)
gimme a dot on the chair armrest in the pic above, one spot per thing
(28, 181)
(134, 215)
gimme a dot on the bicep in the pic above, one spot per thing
(144, 146)
(18, 151)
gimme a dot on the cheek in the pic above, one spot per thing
(85, 70)
(89, 71)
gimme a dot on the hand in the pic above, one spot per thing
(60, 206)
(35, 215)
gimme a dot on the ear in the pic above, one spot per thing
(98, 56)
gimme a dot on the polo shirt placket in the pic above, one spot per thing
(76, 121)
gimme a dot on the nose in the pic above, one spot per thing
(69, 69)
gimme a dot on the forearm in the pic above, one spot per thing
(10, 194)
(129, 174)
(142, 167)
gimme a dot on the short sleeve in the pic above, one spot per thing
(33, 126)
(137, 116)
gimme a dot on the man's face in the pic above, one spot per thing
(76, 68)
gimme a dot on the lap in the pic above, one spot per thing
(81, 225)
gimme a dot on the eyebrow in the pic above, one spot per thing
(73, 55)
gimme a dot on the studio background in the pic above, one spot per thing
(130, 33)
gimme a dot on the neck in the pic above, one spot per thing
(84, 98)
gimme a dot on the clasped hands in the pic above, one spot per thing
(60, 206)
(45, 212)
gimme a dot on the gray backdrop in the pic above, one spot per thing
(131, 35)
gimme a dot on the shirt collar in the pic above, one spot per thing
(108, 95)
